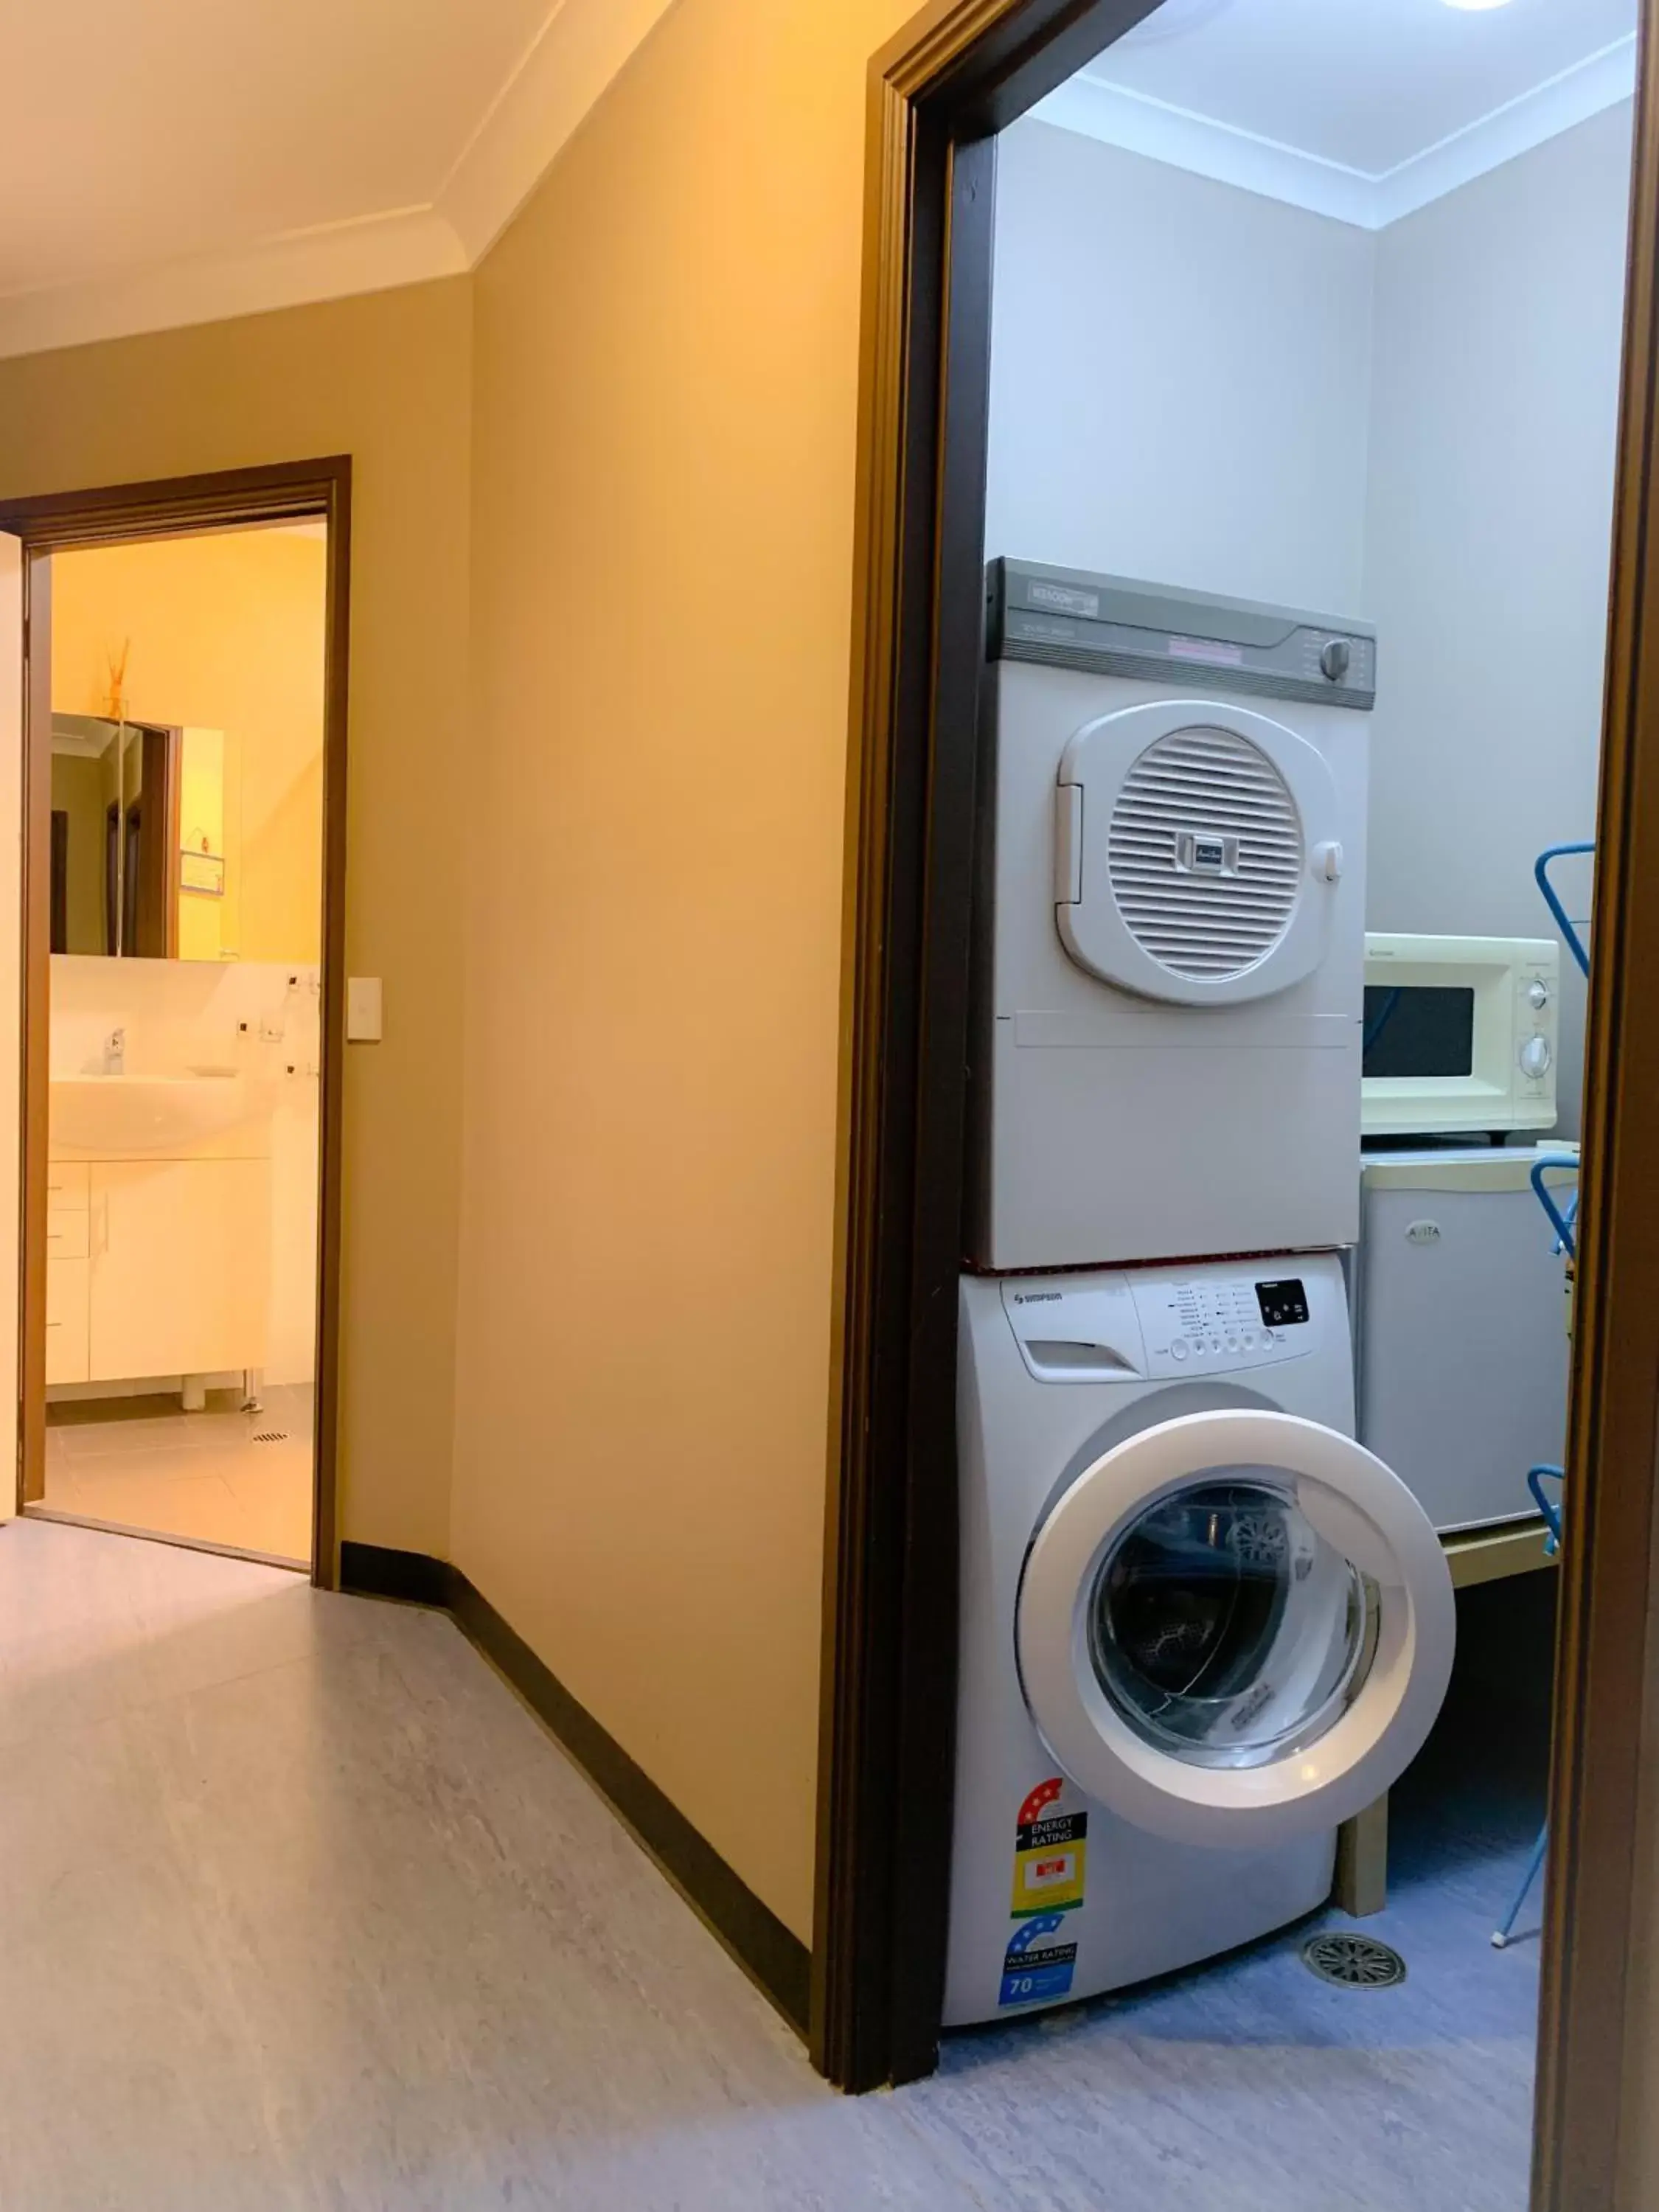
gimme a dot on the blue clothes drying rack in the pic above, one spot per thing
(1564, 1222)
(1578, 946)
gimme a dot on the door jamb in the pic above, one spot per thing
(1589, 2038)
(937, 95)
(171, 506)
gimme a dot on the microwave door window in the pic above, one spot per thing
(1418, 1029)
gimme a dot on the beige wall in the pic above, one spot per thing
(387, 378)
(222, 633)
(667, 383)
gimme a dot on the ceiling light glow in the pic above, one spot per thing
(1472, 7)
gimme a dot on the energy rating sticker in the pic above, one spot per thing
(1049, 1854)
(1033, 1970)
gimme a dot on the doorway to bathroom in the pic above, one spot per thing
(184, 792)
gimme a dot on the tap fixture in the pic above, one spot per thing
(115, 1053)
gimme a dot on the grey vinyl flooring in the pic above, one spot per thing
(303, 1909)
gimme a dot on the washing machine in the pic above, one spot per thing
(1201, 1627)
(1169, 975)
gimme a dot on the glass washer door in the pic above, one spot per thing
(1223, 1628)
(1236, 1628)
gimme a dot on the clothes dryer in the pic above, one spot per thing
(1201, 1626)
(1169, 985)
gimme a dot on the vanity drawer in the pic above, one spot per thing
(66, 1234)
(68, 1295)
(67, 1184)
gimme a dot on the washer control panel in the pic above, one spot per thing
(1218, 1322)
(1134, 1324)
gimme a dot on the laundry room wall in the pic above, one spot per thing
(1180, 376)
(1415, 425)
(1499, 333)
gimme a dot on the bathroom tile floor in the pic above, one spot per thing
(202, 1476)
(306, 1910)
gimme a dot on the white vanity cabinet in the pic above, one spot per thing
(67, 1267)
(156, 1267)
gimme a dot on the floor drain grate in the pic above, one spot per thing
(271, 1437)
(1354, 1962)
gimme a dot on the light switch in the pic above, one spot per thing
(363, 1010)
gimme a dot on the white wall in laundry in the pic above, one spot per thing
(1495, 391)
(1196, 384)
(1181, 376)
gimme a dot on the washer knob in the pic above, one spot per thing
(1335, 658)
(1538, 995)
(1535, 1056)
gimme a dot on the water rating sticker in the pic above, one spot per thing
(1050, 1854)
(1035, 1971)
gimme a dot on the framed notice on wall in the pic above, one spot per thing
(203, 874)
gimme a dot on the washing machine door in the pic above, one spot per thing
(1236, 1628)
(1199, 846)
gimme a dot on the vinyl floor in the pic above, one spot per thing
(306, 1910)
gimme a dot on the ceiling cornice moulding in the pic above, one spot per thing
(581, 48)
(579, 52)
(1229, 156)
(408, 246)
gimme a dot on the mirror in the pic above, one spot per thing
(117, 870)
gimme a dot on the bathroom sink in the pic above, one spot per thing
(113, 1114)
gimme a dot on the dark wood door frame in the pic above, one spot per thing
(937, 96)
(1606, 1706)
(288, 491)
(962, 70)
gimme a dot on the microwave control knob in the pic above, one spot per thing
(1535, 1056)
(1334, 659)
(1538, 995)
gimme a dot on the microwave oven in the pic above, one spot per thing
(1459, 1036)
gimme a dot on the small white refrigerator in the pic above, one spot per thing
(1460, 1320)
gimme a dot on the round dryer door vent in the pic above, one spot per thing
(1205, 854)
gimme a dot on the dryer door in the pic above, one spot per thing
(1236, 1628)
(1198, 850)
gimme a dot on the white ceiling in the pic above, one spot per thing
(1362, 109)
(169, 160)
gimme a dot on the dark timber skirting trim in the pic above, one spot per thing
(774, 1958)
(376, 1571)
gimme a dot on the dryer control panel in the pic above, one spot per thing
(1152, 1325)
(1072, 618)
